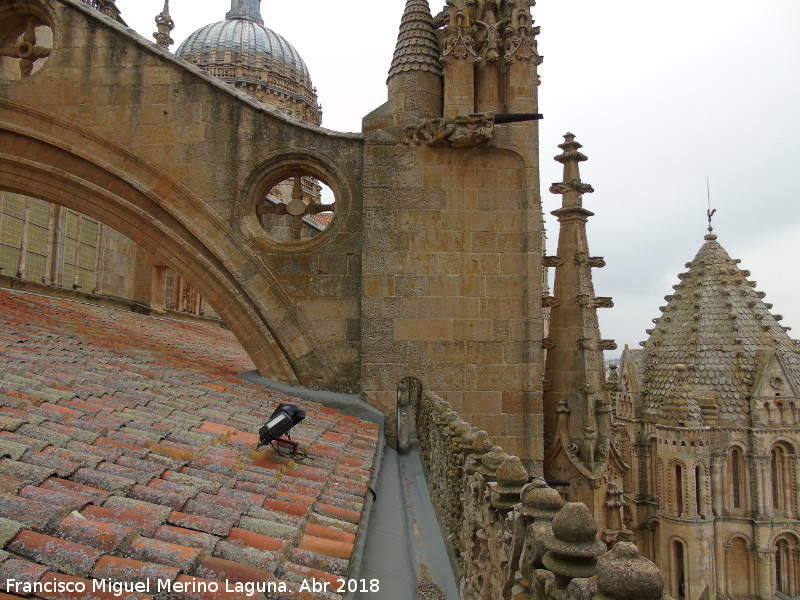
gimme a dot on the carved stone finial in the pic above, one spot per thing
(490, 462)
(165, 25)
(511, 477)
(480, 446)
(541, 501)
(623, 574)
(573, 549)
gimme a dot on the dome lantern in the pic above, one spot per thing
(247, 10)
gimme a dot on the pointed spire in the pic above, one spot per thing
(417, 48)
(165, 25)
(574, 406)
(246, 10)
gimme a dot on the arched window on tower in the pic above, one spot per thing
(787, 569)
(678, 490)
(738, 569)
(652, 475)
(679, 570)
(737, 478)
(699, 490)
(782, 480)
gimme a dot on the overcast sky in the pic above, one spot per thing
(661, 94)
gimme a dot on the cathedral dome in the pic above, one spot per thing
(244, 53)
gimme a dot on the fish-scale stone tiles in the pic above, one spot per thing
(128, 450)
(717, 324)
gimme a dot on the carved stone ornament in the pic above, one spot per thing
(608, 345)
(459, 45)
(571, 186)
(603, 302)
(548, 343)
(456, 132)
(598, 262)
(550, 302)
(553, 261)
(25, 44)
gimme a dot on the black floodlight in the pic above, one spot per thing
(282, 420)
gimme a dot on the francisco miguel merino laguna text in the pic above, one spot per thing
(119, 588)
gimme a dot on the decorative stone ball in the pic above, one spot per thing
(623, 574)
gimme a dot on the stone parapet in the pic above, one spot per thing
(503, 527)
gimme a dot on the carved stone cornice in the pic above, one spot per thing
(456, 132)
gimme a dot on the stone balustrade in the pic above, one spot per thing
(511, 537)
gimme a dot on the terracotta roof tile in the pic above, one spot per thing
(108, 537)
(314, 560)
(130, 517)
(60, 466)
(248, 555)
(92, 494)
(187, 537)
(36, 515)
(69, 501)
(165, 553)
(329, 547)
(198, 523)
(65, 556)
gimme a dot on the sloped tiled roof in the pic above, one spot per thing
(717, 324)
(129, 454)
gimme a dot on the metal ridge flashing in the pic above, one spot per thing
(349, 404)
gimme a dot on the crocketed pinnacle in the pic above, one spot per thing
(718, 325)
(247, 10)
(417, 48)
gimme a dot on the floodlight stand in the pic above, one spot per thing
(288, 442)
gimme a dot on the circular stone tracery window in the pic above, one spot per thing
(296, 209)
(26, 40)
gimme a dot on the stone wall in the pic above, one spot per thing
(513, 537)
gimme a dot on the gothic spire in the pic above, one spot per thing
(417, 48)
(574, 398)
(247, 10)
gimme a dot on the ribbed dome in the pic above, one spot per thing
(241, 51)
(239, 35)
